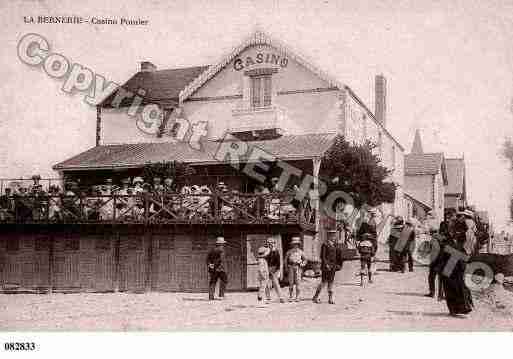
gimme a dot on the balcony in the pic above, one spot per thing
(160, 208)
(254, 119)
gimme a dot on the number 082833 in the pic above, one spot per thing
(19, 346)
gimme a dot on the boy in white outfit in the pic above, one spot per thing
(263, 272)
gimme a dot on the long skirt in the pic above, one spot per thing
(457, 295)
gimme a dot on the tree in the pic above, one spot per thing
(359, 172)
(172, 169)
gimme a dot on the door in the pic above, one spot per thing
(67, 261)
(132, 262)
(199, 273)
(234, 263)
(41, 257)
(104, 263)
(10, 261)
(183, 248)
(166, 265)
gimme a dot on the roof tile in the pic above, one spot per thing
(422, 164)
(161, 86)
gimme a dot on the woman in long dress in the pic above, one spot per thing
(457, 295)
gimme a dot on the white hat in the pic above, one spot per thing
(138, 180)
(263, 251)
(220, 240)
(469, 213)
(295, 240)
(271, 240)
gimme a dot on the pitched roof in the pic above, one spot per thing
(162, 86)
(423, 164)
(426, 206)
(455, 175)
(257, 38)
(136, 155)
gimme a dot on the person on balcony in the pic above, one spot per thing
(123, 202)
(169, 187)
(70, 201)
(331, 262)
(54, 203)
(295, 259)
(36, 179)
(107, 205)
(138, 182)
(6, 205)
(217, 269)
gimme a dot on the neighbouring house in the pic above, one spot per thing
(260, 101)
(425, 177)
(456, 188)
(415, 208)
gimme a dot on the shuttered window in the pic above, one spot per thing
(261, 87)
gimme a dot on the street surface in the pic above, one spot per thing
(395, 302)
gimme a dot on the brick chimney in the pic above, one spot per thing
(380, 99)
(147, 66)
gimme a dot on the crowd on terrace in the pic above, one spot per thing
(134, 199)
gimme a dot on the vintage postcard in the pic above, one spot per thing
(256, 166)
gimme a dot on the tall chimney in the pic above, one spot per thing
(147, 66)
(381, 100)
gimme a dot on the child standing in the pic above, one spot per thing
(294, 260)
(263, 272)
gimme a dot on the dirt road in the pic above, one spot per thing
(395, 302)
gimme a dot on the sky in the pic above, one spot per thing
(448, 64)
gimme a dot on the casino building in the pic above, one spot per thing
(261, 94)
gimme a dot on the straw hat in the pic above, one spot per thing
(295, 240)
(263, 251)
(468, 213)
(220, 240)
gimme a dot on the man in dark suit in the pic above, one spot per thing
(331, 262)
(216, 264)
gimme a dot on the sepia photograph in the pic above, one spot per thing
(256, 166)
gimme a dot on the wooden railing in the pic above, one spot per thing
(146, 207)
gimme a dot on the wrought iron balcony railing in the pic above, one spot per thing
(163, 208)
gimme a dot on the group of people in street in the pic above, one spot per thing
(270, 263)
(457, 233)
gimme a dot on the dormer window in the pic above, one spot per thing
(261, 87)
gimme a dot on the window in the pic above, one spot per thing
(261, 91)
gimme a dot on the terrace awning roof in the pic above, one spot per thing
(286, 148)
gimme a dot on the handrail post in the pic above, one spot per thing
(146, 208)
(114, 207)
